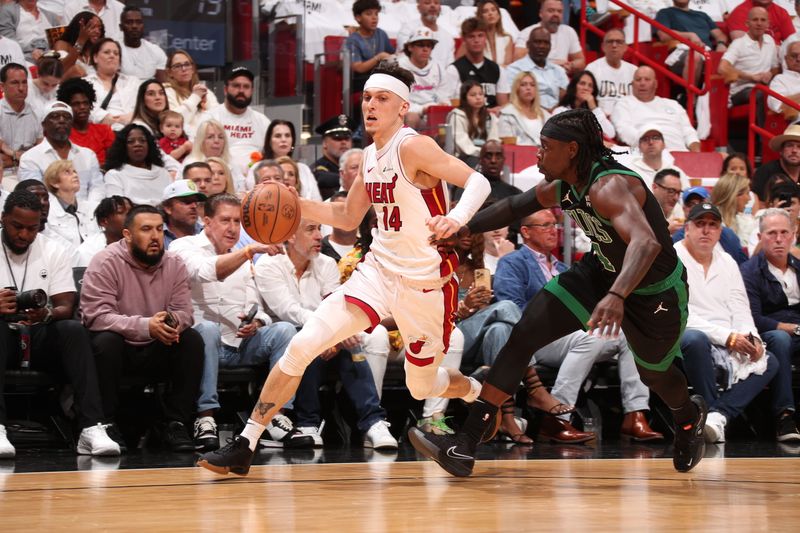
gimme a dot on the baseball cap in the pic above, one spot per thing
(702, 192)
(239, 71)
(704, 208)
(55, 107)
(649, 127)
(181, 189)
(422, 34)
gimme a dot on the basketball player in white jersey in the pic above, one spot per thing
(404, 275)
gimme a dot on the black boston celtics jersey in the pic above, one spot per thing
(607, 245)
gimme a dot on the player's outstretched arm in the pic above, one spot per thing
(345, 215)
(512, 208)
(425, 163)
(619, 200)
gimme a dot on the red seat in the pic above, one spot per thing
(699, 164)
(520, 157)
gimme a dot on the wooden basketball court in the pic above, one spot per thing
(758, 494)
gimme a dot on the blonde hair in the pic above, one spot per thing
(289, 161)
(53, 174)
(724, 194)
(515, 101)
(202, 132)
(229, 187)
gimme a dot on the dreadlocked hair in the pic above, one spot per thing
(587, 132)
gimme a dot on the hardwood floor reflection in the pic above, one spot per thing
(758, 494)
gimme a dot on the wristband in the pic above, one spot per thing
(618, 295)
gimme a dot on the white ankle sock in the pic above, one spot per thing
(474, 390)
(252, 432)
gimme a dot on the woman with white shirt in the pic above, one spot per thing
(68, 219)
(25, 22)
(116, 92)
(42, 89)
(212, 141)
(134, 167)
(523, 117)
(471, 122)
(186, 93)
(279, 141)
(582, 92)
(499, 44)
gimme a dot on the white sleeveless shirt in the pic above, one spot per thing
(400, 243)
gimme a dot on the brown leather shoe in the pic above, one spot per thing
(636, 428)
(554, 429)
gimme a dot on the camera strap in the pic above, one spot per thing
(11, 271)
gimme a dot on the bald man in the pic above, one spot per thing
(643, 107)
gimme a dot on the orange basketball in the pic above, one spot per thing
(270, 213)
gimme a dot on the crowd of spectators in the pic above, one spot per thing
(125, 172)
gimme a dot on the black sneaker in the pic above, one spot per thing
(233, 458)
(206, 437)
(116, 435)
(689, 442)
(175, 436)
(451, 452)
(787, 429)
(281, 433)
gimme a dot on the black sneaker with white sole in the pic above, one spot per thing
(233, 458)
(451, 452)
(787, 429)
(690, 445)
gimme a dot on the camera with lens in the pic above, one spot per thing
(32, 299)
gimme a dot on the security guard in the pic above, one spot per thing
(337, 134)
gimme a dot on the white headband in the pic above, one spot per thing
(388, 83)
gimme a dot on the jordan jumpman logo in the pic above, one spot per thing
(660, 308)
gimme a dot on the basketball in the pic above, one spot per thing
(270, 213)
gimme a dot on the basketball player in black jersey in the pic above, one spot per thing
(632, 281)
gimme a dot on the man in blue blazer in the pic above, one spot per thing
(772, 280)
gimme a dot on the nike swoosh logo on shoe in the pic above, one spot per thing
(455, 455)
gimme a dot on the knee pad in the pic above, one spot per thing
(426, 382)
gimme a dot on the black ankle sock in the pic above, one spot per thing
(481, 414)
(685, 414)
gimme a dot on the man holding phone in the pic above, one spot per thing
(226, 313)
(144, 331)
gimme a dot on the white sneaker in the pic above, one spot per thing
(95, 441)
(278, 432)
(715, 427)
(378, 437)
(7, 451)
(314, 432)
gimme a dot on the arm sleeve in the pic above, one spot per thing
(505, 211)
(608, 128)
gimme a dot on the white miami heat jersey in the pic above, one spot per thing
(400, 244)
